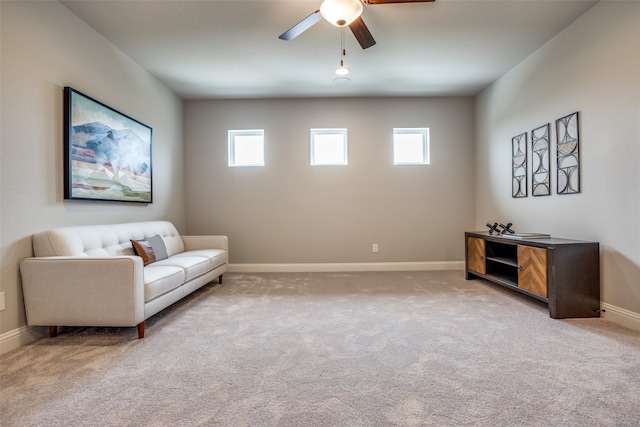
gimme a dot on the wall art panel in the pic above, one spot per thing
(540, 162)
(519, 166)
(568, 154)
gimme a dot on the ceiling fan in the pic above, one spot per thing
(342, 13)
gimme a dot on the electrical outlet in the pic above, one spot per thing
(374, 249)
(1, 301)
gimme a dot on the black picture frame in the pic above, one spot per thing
(107, 154)
(568, 154)
(519, 166)
(540, 161)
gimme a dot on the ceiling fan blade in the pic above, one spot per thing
(360, 30)
(396, 1)
(302, 26)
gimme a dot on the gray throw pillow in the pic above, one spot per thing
(158, 247)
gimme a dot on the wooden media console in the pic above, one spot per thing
(563, 273)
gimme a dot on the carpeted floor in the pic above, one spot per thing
(333, 349)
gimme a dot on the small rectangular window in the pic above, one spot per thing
(410, 146)
(328, 147)
(246, 147)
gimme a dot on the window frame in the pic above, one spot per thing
(232, 135)
(426, 145)
(324, 132)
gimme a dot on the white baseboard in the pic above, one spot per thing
(621, 316)
(341, 267)
(19, 337)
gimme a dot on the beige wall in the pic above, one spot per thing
(44, 48)
(291, 212)
(593, 67)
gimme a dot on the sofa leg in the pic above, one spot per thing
(53, 331)
(141, 330)
(220, 279)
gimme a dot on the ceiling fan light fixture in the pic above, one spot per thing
(341, 12)
(342, 71)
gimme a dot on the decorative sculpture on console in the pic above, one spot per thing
(493, 228)
(506, 228)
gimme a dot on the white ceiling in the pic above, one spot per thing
(230, 49)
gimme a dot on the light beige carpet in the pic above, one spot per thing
(341, 349)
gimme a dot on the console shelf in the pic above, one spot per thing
(500, 260)
(563, 273)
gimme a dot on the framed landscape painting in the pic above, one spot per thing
(107, 155)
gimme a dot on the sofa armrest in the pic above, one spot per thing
(194, 243)
(82, 291)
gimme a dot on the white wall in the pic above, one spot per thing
(291, 212)
(44, 48)
(593, 67)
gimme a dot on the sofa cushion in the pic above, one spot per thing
(193, 266)
(159, 247)
(217, 257)
(158, 280)
(143, 249)
(104, 240)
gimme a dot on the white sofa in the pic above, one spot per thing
(89, 275)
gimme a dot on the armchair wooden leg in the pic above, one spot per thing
(220, 279)
(141, 330)
(53, 331)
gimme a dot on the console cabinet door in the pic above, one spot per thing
(532, 270)
(476, 260)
